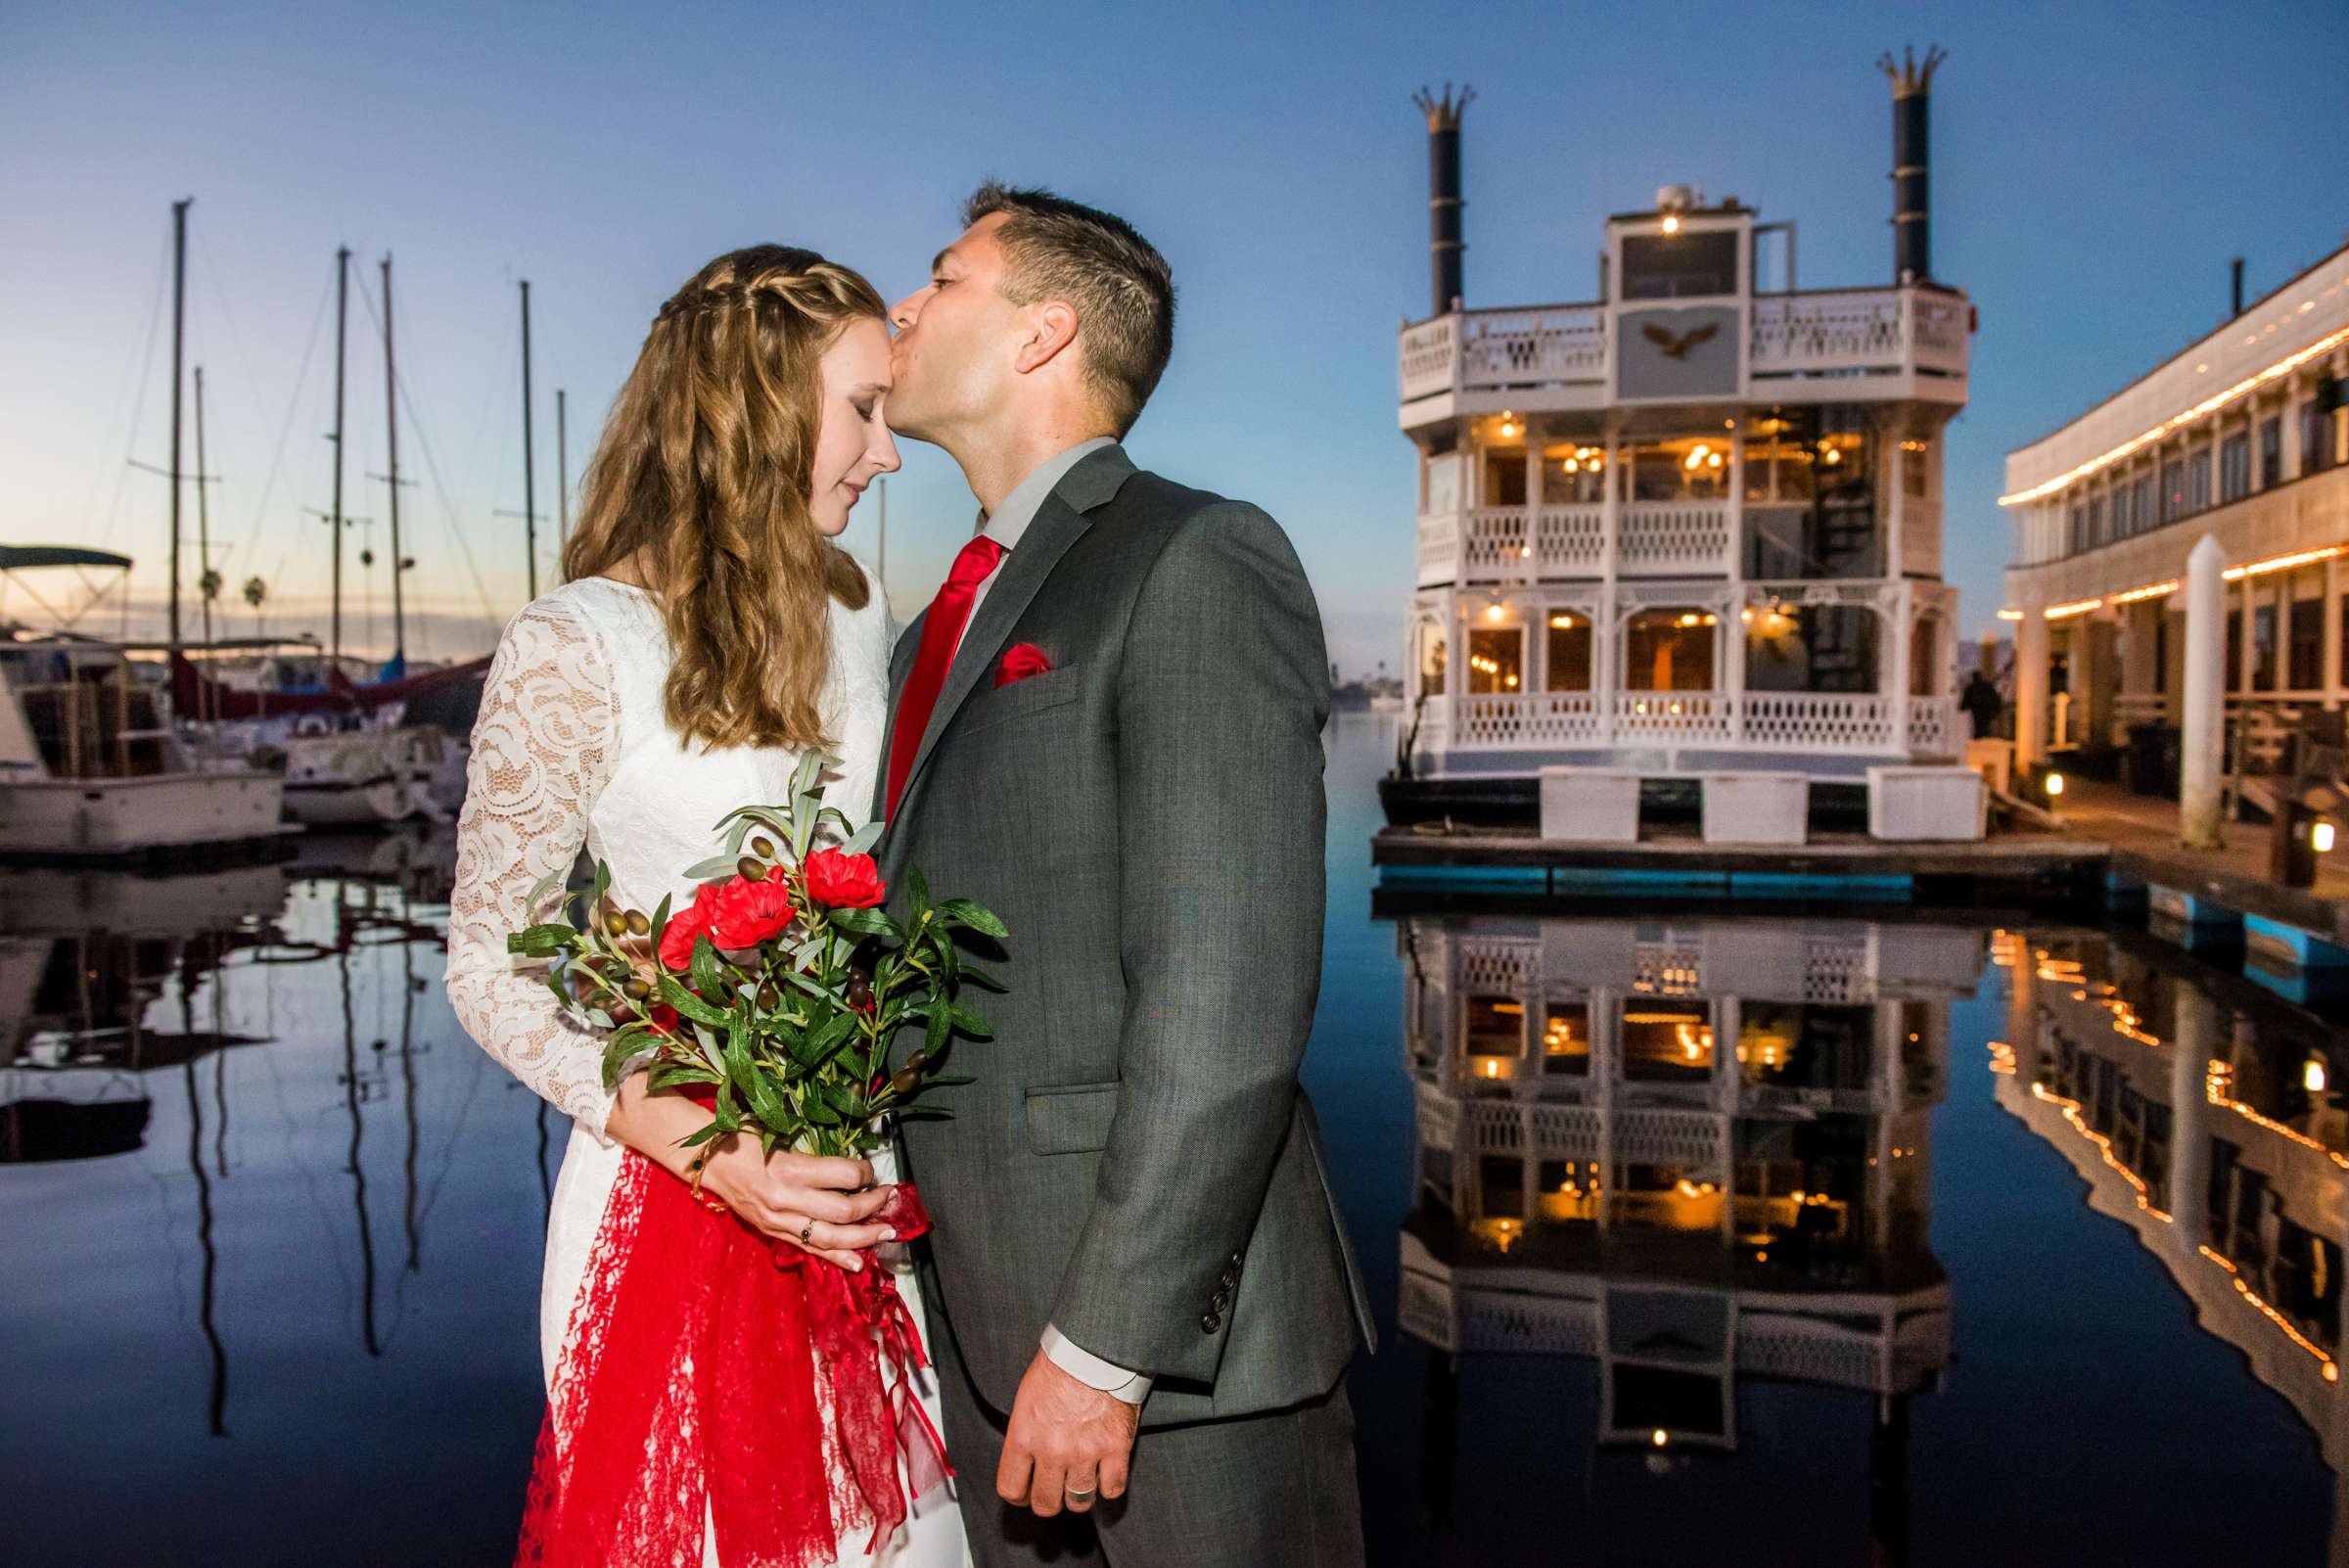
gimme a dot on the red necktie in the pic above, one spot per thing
(941, 633)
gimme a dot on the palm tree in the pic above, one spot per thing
(255, 592)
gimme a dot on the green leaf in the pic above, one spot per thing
(948, 1081)
(976, 916)
(541, 888)
(977, 976)
(660, 924)
(942, 1025)
(709, 870)
(917, 891)
(969, 1022)
(710, 975)
(695, 1140)
(865, 838)
(687, 1003)
(673, 1073)
(867, 923)
(619, 1050)
(543, 941)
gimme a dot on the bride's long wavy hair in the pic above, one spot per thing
(701, 483)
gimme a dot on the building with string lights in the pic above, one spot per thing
(1690, 527)
(2239, 437)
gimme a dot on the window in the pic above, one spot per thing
(2078, 538)
(2095, 521)
(2124, 510)
(1573, 473)
(1669, 650)
(1777, 457)
(1569, 660)
(2316, 439)
(1496, 659)
(1431, 661)
(2271, 452)
(2234, 467)
(2263, 646)
(2173, 490)
(1682, 468)
(1665, 1041)
(2140, 503)
(1680, 266)
(1924, 657)
(1504, 476)
(2197, 480)
(1566, 1039)
(1494, 1037)
(2304, 662)
(1822, 646)
(1916, 468)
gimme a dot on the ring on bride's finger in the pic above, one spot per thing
(806, 1230)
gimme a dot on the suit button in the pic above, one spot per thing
(1231, 1277)
(1209, 1323)
(1235, 1260)
(1223, 1300)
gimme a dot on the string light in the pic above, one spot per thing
(2152, 590)
(2071, 1114)
(2156, 590)
(2208, 405)
(2326, 1364)
(2078, 607)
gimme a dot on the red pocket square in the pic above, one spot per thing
(1019, 661)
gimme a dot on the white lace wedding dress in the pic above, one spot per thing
(572, 747)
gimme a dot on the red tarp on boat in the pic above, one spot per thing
(196, 695)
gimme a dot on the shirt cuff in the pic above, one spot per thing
(1092, 1371)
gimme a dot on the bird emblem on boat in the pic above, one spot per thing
(1676, 344)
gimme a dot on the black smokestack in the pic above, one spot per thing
(1911, 160)
(2235, 271)
(1444, 201)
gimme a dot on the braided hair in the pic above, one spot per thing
(701, 481)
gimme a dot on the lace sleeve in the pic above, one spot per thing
(542, 750)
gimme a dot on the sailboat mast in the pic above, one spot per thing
(399, 624)
(562, 477)
(335, 517)
(529, 504)
(204, 519)
(179, 324)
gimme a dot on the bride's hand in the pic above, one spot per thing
(819, 1205)
(816, 1203)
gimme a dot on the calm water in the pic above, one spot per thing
(1918, 1240)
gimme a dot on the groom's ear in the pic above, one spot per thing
(1048, 329)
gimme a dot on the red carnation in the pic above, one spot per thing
(747, 911)
(685, 925)
(842, 881)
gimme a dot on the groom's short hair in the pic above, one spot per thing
(1056, 248)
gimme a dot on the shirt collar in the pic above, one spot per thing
(1010, 521)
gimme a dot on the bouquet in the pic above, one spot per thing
(773, 997)
(778, 992)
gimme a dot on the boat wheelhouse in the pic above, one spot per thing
(1689, 527)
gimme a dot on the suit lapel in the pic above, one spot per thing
(1056, 526)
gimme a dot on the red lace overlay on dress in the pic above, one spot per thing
(707, 1372)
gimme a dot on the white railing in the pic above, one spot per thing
(1933, 727)
(1531, 719)
(1856, 330)
(1839, 332)
(1673, 539)
(1524, 544)
(1826, 723)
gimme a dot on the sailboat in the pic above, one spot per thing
(94, 763)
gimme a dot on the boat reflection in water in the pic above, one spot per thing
(2210, 1121)
(1694, 1152)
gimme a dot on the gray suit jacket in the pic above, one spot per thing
(1135, 1162)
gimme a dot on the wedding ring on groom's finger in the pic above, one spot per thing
(1079, 1494)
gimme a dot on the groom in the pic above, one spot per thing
(1106, 727)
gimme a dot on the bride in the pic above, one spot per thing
(708, 634)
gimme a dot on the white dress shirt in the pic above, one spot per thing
(1006, 526)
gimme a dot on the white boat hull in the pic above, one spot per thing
(95, 817)
(365, 778)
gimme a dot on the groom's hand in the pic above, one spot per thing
(1064, 1436)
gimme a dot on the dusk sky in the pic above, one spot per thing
(2094, 167)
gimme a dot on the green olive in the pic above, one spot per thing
(615, 924)
(770, 998)
(917, 1061)
(637, 990)
(751, 870)
(906, 1078)
(640, 924)
(763, 848)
